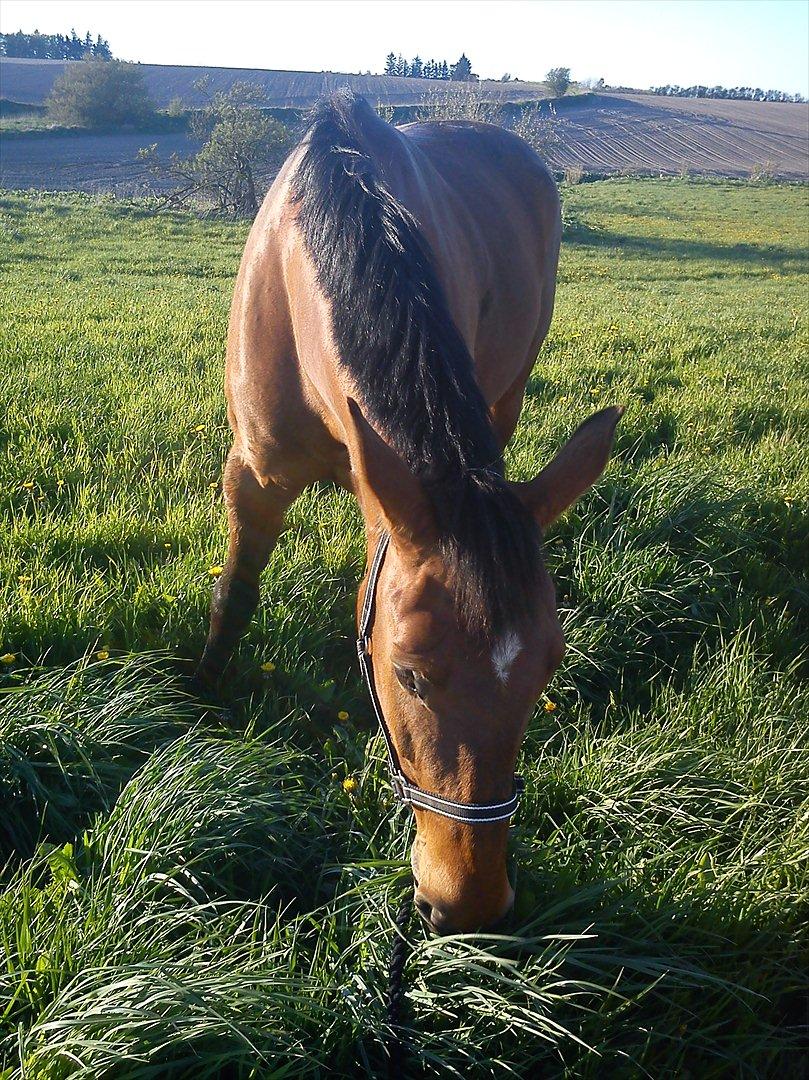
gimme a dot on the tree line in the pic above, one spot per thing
(38, 46)
(460, 71)
(739, 93)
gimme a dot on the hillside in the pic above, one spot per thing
(30, 82)
(603, 134)
(607, 133)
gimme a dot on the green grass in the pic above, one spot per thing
(189, 892)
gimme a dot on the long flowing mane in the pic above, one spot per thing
(412, 370)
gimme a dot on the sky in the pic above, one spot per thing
(637, 43)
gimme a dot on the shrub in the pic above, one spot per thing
(763, 172)
(99, 93)
(574, 174)
(242, 146)
(539, 128)
(459, 101)
(558, 80)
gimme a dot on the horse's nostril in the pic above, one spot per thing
(424, 907)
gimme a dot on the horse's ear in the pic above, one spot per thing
(575, 468)
(398, 492)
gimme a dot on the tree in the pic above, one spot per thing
(99, 93)
(54, 46)
(443, 71)
(416, 68)
(462, 69)
(241, 146)
(390, 64)
(558, 80)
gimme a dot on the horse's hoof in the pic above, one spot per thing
(203, 684)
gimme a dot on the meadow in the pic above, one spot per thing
(189, 890)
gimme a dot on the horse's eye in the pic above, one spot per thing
(413, 683)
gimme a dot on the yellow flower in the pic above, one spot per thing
(102, 654)
(215, 571)
(342, 715)
(167, 545)
(199, 427)
(349, 785)
(8, 658)
(550, 706)
(268, 666)
(28, 484)
(214, 485)
(24, 579)
(169, 598)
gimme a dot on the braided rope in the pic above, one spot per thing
(394, 1044)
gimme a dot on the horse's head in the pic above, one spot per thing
(456, 701)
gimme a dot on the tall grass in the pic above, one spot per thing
(189, 891)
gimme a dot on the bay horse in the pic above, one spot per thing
(393, 295)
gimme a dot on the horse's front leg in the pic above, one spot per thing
(255, 517)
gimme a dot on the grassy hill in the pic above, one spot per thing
(187, 892)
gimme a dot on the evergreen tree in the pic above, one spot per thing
(443, 70)
(38, 46)
(462, 69)
(390, 64)
(416, 68)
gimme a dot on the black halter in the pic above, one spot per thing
(470, 813)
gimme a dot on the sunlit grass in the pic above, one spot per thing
(195, 892)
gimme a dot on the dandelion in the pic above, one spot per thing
(24, 579)
(268, 666)
(8, 658)
(215, 571)
(199, 427)
(213, 486)
(550, 706)
(28, 485)
(169, 598)
(167, 545)
(349, 785)
(103, 654)
(342, 715)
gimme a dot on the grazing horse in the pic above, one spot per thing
(394, 292)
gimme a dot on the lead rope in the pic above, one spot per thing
(394, 1044)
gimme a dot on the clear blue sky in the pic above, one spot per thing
(631, 42)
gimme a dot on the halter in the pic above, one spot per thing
(405, 792)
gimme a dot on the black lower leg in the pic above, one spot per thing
(232, 607)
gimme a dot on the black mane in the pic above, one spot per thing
(413, 373)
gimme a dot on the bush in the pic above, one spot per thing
(558, 80)
(99, 93)
(763, 172)
(242, 147)
(574, 174)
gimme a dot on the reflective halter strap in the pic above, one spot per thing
(469, 813)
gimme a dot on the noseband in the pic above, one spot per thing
(405, 792)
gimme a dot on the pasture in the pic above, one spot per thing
(191, 891)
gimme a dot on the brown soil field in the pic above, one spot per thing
(604, 133)
(30, 82)
(610, 133)
(86, 162)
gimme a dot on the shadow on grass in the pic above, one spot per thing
(773, 258)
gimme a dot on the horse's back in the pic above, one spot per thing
(489, 211)
(497, 201)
